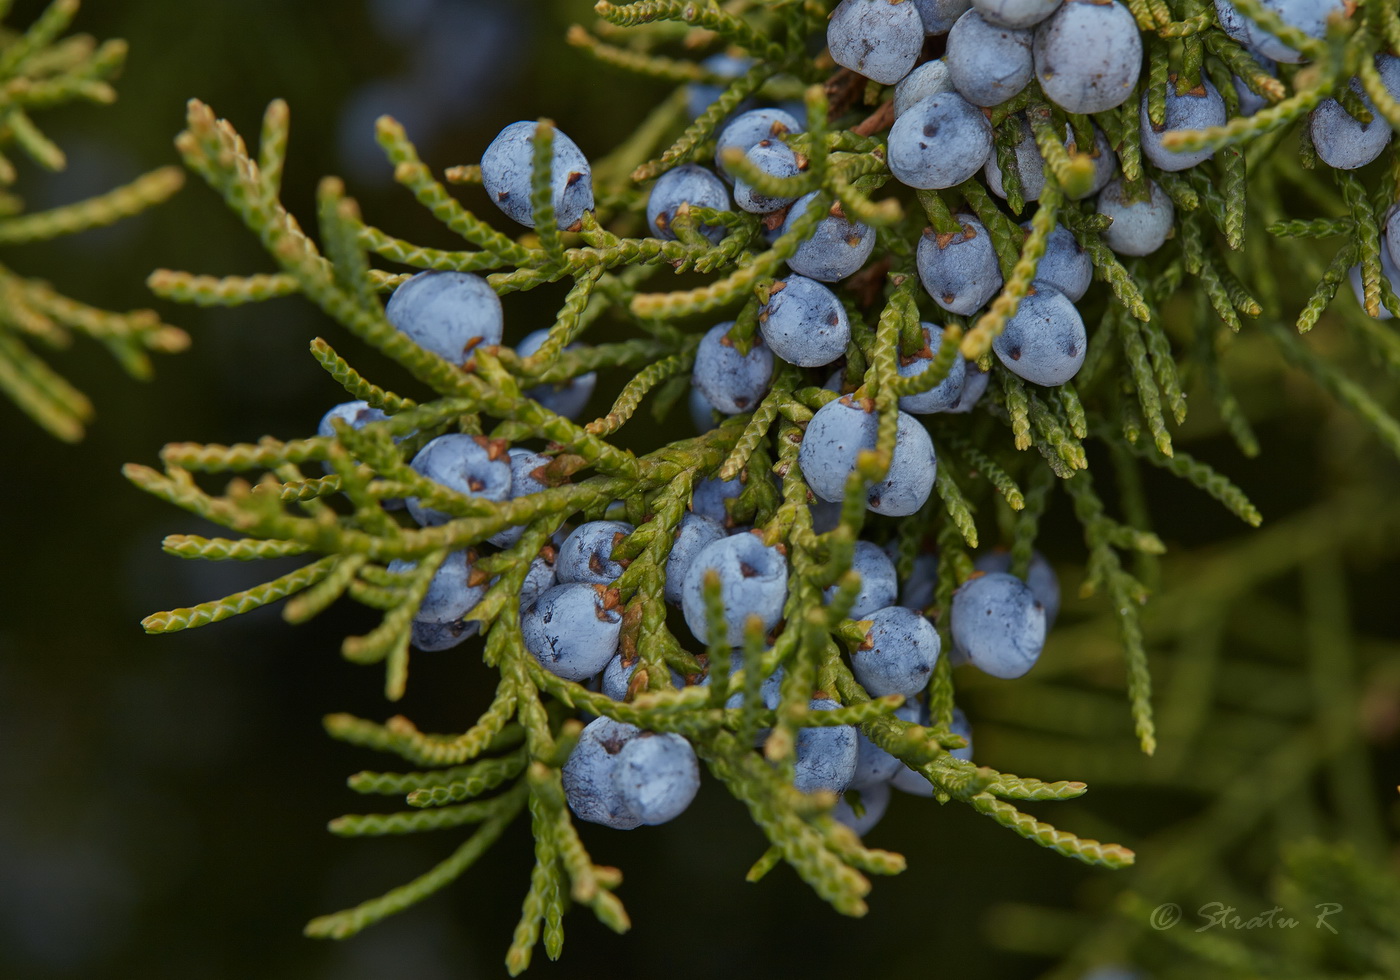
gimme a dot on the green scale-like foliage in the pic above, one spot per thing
(1159, 328)
(38, 69)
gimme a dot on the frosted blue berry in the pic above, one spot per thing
(1388, 269)
(989, 63)
(589, 787)
(998, 625)
(876, 38)
(752, 580)
(357, 415)
(1065, 265)
(906, 780)
(1345, 144)
(526, 472)
(840, 430)
(1015, 13)
(509, 162)
(898, 654)
(939, 141)
(690, 184)
(586, 554)
(617, 677)
(942, 396)
(567, 398)
(1030, 165)
(775, 159)
(939, 16)
(1088, 55)
(873, 764)
(656, 776)
(826, 514)
(1041, 577)
(748, 128)
(1139, 226)
(573, 629)
(448, 313)
(835, 250)
(804, 323)
(878, 583)
(1392, 234)
(874, 800)
(916, 591)
(930, 78)
(470, 465)
(959, 271)
(1197, 108)
(1045, 341)
(730, 381)
(826, 757)
(974, 387)
(439, 623)
(710, 495)
(694, 534)
(1250, 102)
(702, 413)
(539, 578)
(1308, 16)
(702, 95)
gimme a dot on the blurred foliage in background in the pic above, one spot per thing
(164, 799)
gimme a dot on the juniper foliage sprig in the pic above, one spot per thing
(40, 68)
(321, 496)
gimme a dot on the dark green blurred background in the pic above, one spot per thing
(163, 799)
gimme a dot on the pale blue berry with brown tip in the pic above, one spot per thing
(448, 313)
(876, 38)
(589, 787)
(1140, 225)
(507, 169)
(689, 184)
(471, 465)
(692, 536)
(526, 478)
(748, 128)
(1197, 108)
(539, 577)
(942, 396)
(1308, 16)
(959, 269)
(731, 381)
(774, 159)
(1045, 342)
(938, 142)
(573, 629)
(836, 249)
(586, 554)
(840, 430)
(752, 580)
(617, 677)
(804, 323)
(1342, 141)
(898, 653)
